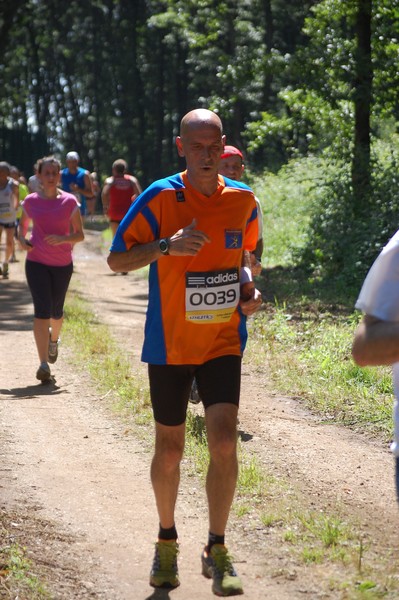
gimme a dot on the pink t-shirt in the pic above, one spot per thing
(50, 217)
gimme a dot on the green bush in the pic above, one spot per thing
(343, 243)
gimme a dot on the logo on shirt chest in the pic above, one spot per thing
(232, 239)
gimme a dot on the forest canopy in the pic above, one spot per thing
(289, 79)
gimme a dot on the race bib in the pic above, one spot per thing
(6, 211)
(212, 296)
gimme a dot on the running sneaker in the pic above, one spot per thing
(217, 565)
(43, 373)
(5, 271)
(164, 572)
(53, 350)
(194, 396)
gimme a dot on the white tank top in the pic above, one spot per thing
(8, 213)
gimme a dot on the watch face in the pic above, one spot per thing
(163, 246)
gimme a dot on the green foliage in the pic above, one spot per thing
(114, 78)
(309, 125)
(287, 203)
(272, 135)
(342, 243)
(17, 578)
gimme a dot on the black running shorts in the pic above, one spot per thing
(218, 381)
(48, 286)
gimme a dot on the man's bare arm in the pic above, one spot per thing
(137, 257)
(87, 190)
(376, 342)
(185, 242)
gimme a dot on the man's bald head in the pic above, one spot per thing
(201, 143)
(200, 117)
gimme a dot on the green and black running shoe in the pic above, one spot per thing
(217, 565)
(164, 572)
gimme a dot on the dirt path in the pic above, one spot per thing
(77, 479)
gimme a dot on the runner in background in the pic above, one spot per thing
(9, 198)
(23, 191)
(119, 191)
(77, 181)
(56, 227)
(232, 166)
(34, 181)
(195, 229)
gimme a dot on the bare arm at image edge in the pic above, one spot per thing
(376, 342)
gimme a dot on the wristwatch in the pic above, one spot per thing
(164, 245)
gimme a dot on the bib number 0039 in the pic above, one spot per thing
(212, 297)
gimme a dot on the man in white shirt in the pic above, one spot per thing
(376, 340)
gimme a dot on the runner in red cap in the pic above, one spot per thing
(232, 166)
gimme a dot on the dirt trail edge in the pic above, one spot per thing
(77, 480)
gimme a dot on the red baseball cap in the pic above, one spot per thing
(231, 151)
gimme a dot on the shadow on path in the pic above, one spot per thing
(33, 391)
(159, 594)
(14, 298)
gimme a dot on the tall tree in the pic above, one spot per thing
(361, 175)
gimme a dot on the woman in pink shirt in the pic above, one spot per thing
(56, 227)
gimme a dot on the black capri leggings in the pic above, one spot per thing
(48, 286)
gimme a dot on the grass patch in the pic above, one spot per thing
(17, 577)
(251, 479)
(305, 335)
(94, 347)
(309, 357)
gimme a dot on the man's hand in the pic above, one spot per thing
(249, 307)
(256, 266)
(187, 241)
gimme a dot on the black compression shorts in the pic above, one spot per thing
(218, 380)
(48, 286)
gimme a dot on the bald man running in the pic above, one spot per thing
(196, 232)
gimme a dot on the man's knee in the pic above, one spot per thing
(168, 452)
(223, 445)
(168, 459)
(221, 424)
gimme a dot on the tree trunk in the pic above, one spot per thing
(362, 100)
(268, 39)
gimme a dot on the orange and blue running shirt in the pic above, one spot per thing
(193, 314)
